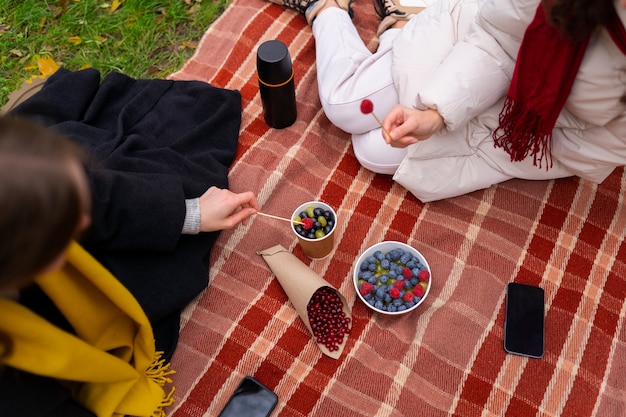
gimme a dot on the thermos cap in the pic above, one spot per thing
(273, 63)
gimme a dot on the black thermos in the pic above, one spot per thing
(276, 85)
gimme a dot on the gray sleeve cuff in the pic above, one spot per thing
(191, 226)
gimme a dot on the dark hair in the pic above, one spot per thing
(577, 19)
(40, 199)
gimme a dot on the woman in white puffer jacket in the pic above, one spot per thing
(450, 68)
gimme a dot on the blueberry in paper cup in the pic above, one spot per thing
(392, 278)
(314, 224)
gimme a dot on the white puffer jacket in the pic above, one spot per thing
(464, 72)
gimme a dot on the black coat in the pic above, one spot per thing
(152, 144)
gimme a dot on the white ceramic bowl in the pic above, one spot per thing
(385, 248)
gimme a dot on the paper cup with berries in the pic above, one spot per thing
(321, 307)
(314, 224)
(392, 278)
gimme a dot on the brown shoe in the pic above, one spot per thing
(391, 11)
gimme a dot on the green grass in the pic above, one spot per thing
(140, 38)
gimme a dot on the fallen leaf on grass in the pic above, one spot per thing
(76, 40)
(115, 5)
(47, 65)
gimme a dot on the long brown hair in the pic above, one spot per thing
(577, 19)
(40, 201)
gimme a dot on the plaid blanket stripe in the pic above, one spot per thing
(445, 359)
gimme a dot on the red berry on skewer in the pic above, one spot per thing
(367, 106)
(307, 223)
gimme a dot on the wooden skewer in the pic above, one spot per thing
(381, 125)
(279, 218)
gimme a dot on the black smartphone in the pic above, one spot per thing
(524, 322)
(250, 399)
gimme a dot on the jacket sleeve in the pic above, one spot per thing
(135, 211)
(477, 71)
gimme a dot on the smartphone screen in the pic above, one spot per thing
(524, 322)
(250, 399)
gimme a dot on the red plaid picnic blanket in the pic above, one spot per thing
(447, 357)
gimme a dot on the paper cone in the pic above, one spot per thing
(300, 283)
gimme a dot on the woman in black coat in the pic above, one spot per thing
(158, 154)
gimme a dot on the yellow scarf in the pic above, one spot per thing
(110, 364)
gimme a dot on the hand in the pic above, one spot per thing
(222, 209)
(408, 125)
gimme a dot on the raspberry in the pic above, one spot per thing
(408, 297)
(367, 106)
(366, 288)
(394, 292)
(424, 275)
(307, 223)
(418, 291)
(407, 273)
(399, 284)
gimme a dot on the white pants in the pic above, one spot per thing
(347, 73)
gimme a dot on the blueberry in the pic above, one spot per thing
(414, 281)
(387, 298)
(385, 264)
(378, 305)
(328, 229)
(371, 260)
(415, 271)
(411, 265)
(401, 308)
(391, 308)
(311, 235)
(394, 255)
(383, 279)
(392, 274)
(317, 225)
(405, 258)
(364, 266)
(303, 214)
(371, 302)
(397, 302)
(367, 275)
(372, 267)
(318, 211)
(372, 280)
(379, 255)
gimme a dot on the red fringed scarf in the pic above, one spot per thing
(545, 70)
